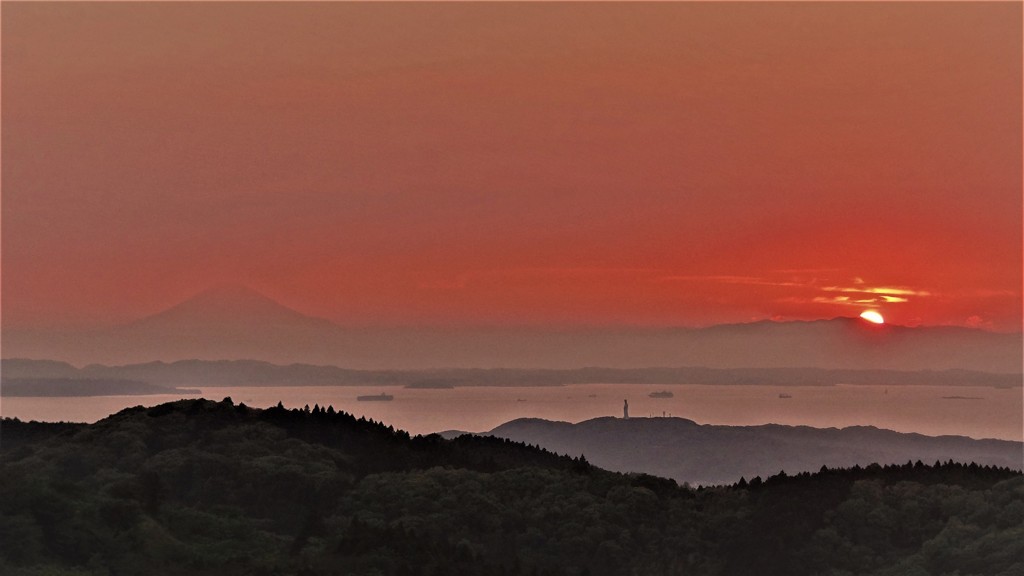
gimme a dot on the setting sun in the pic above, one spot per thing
(872, 316)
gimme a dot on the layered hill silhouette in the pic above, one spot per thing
(685, 451)
(199, 487)
(235, 322)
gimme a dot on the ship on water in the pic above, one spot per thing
(661, 394)
(382, 397)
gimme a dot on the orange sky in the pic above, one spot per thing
(563, 164)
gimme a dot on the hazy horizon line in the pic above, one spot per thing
(500, 368)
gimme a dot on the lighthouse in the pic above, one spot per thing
(625, 409)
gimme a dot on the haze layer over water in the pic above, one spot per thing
(977, 412)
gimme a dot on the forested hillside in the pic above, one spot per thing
(201, 487)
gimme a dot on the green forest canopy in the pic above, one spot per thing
(202, 487)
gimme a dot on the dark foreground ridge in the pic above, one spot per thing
(202, 487)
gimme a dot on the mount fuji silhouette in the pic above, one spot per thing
(228, 321)
(235, 309)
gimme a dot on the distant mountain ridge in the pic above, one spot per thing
(235, 322)
(711, 454)
(258, 373)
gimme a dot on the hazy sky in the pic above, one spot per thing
(666, 164)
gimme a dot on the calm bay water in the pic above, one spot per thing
(989, 413)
